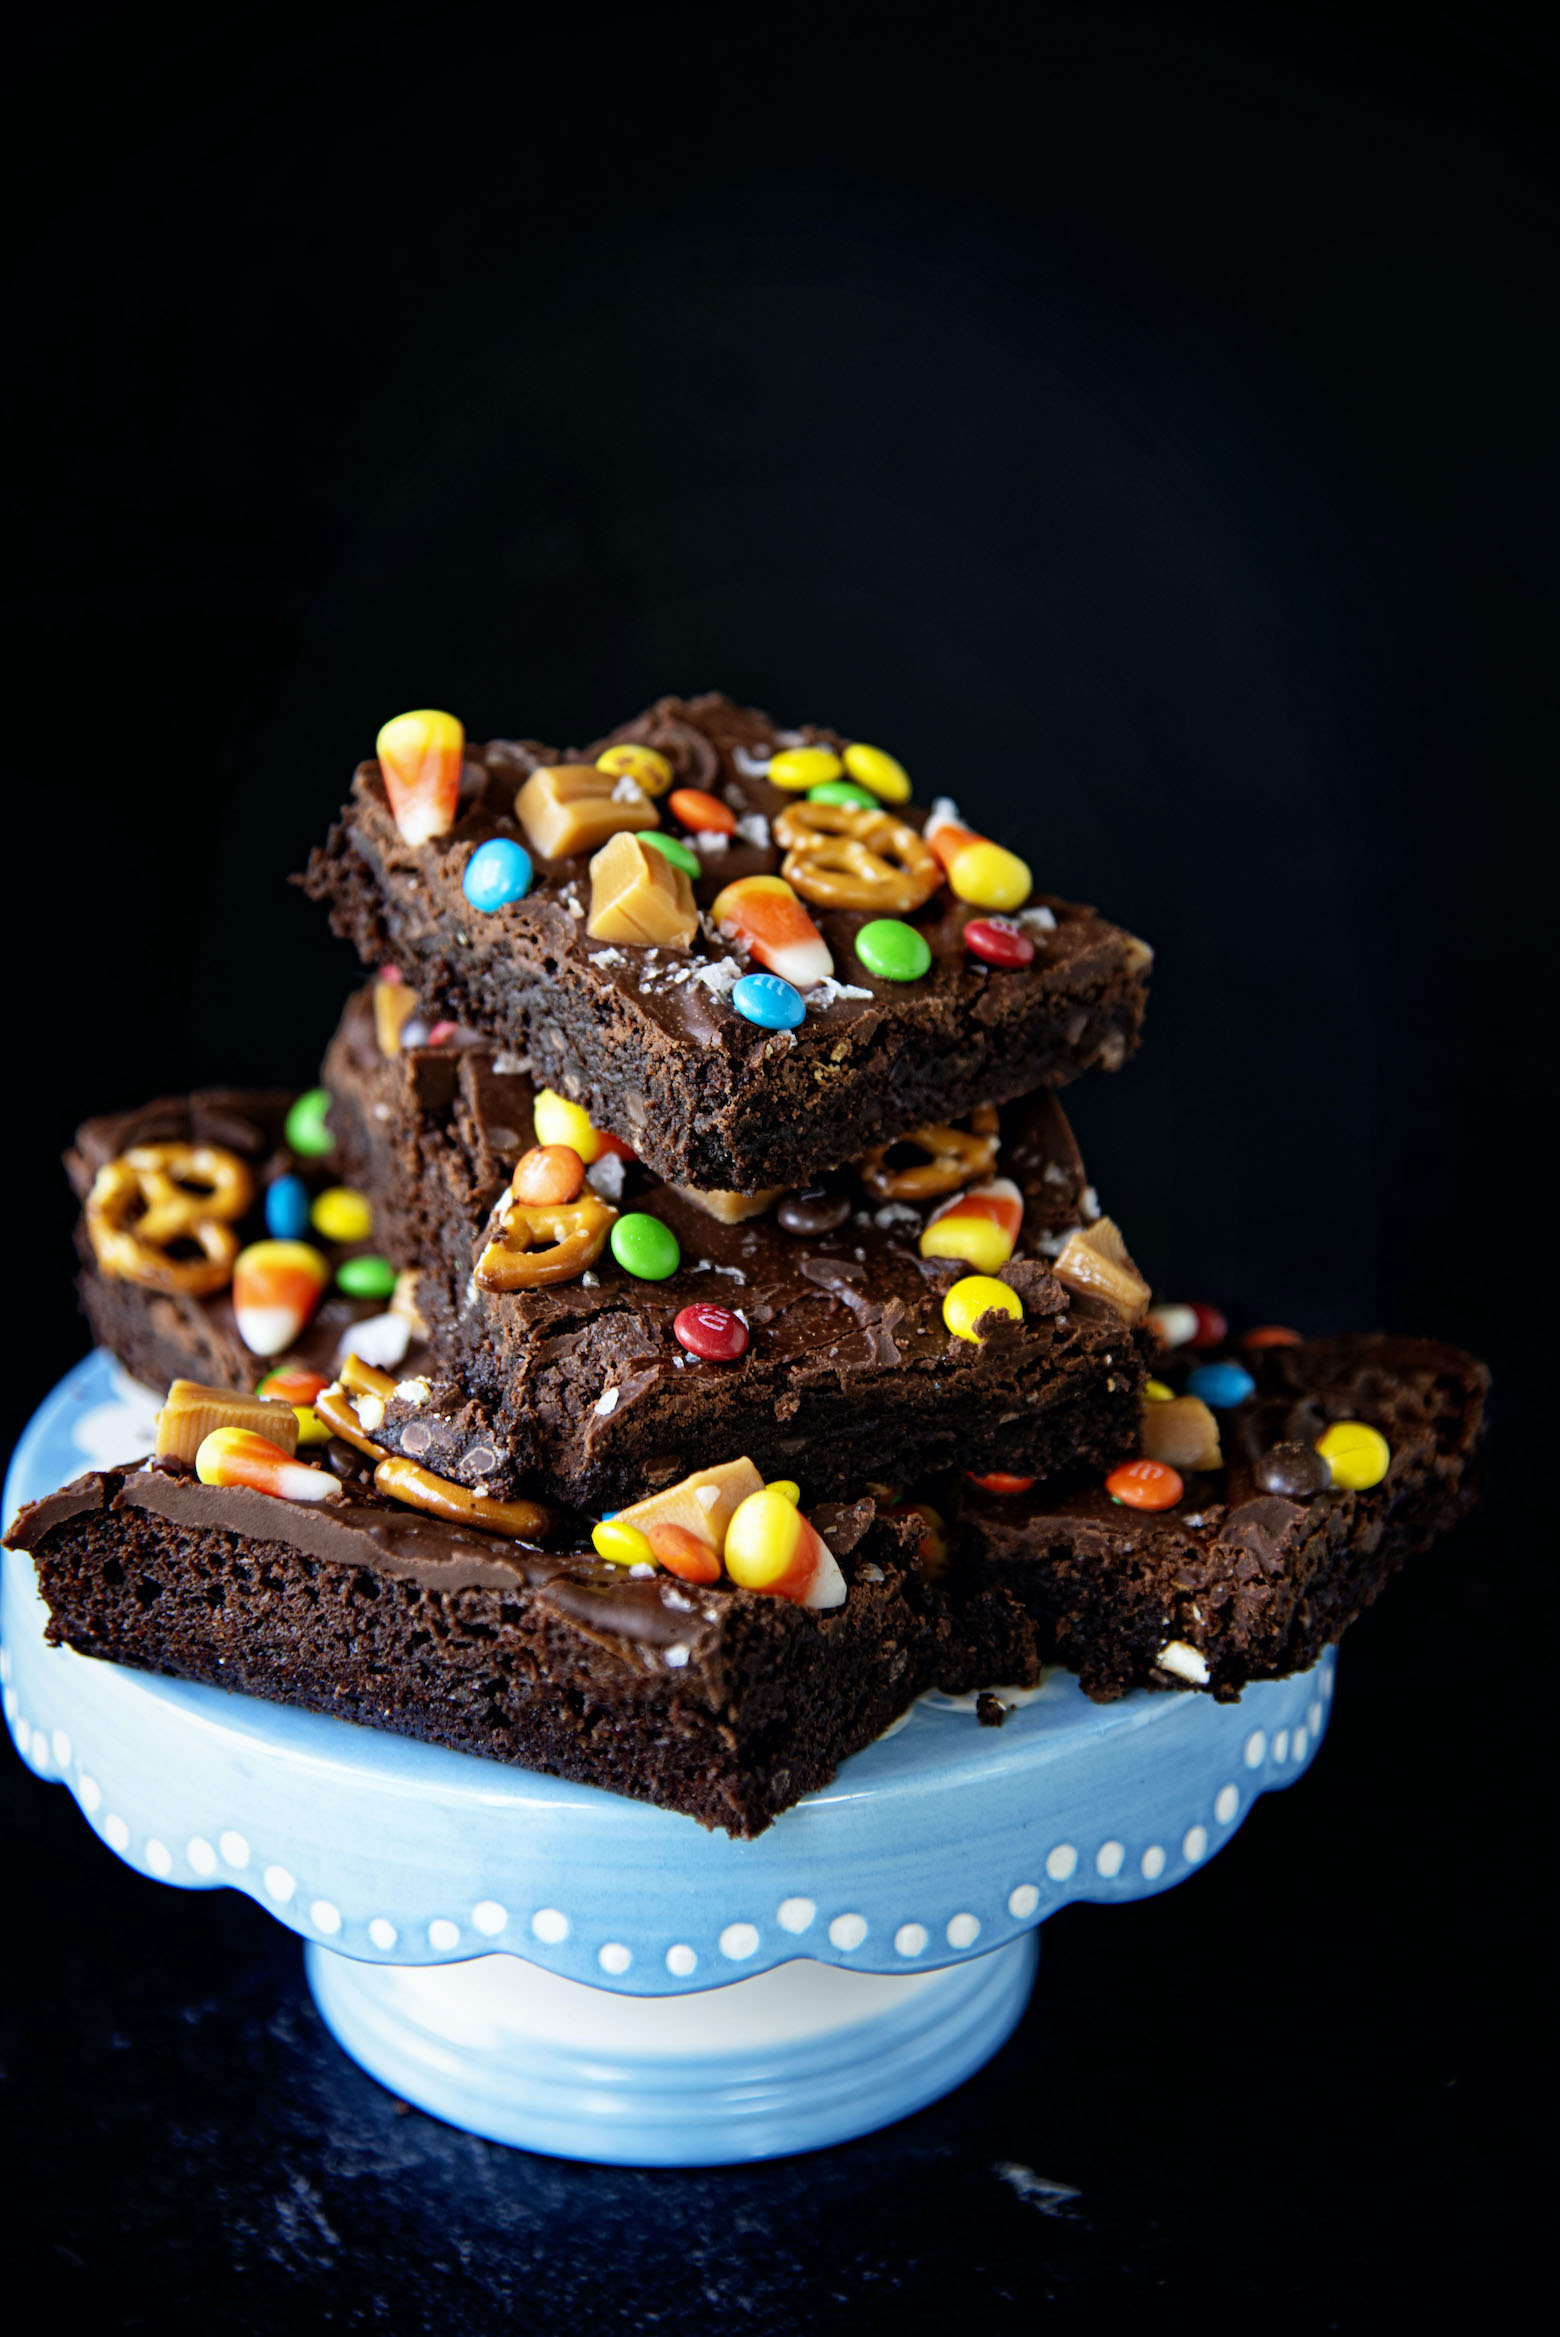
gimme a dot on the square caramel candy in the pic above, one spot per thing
(573, 807)
(639, 896)
(192, 1411)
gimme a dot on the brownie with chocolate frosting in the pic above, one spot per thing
(160, 1335)
(647, 1040)
(1264, 1562)
(718, 1702)
(850, 1375)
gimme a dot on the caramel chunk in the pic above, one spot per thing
(731, 1208)
(703, 1504)
(190, 1412)
(1095, 1263)
(638, 896)
(1183, 1432)
(570, 807)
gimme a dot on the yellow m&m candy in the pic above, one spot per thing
(622, 1545)
(870, 767)
(977, 1295)
(650, 770)
(1358, 1455)
(342, 1215)
(557, 1121)
(797, 768)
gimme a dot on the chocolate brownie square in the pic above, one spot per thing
(1261, 1562)
(849, 1376)
(646, 1036)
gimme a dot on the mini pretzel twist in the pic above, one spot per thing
(842, 856)
(157, 1194)
(958, 1156)
(537, 1242)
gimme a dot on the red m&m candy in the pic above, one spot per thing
(1145, 1485)
(1212, 1328)
(999, 943)
(713, 1333)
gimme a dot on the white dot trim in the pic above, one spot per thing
(1060, 1862)
(200, 1854)
(61, 1744)
(1301, 1742)
(1108, 1859)
(847, 1932)
(325, 1916)
(910, 1939)
(739, 1941)
(116, 1833)
(1194, 1844)
(1152, 1863)
(1313, 1714)
(159, 1858)
(279, 1883)
(1023, 1901)
(680, 1961)
(963, 1931)
(1256, 1749)
(88, 1792)
(1281, 1747)
(383, 1934)
(490, 1918)
(234, 1849)
(550, 1926)
(795, 1915)
(1228, 1803)
(614, 1957)
(443, 1935)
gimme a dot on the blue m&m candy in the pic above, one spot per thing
(765, 999)
(497, 873)
(1221, 1385)
(287, 1209)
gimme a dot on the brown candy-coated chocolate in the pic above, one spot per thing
(1293, 1469)
(814, 1211)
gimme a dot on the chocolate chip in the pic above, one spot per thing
(416, 1437)
(480, 1457)
(814, 1210)
(1293, 1469)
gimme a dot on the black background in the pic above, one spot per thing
(1142, 422)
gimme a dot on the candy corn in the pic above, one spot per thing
(979, 871)
(276, 1288)
(771, 1547)
(419, 759)
(557, 1121)
(765, 915)
(237, 1456)
(980, 1226)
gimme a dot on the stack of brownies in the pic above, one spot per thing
(680, 1331)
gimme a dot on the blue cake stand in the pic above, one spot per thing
(552, 1966)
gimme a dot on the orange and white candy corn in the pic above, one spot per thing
(237, 1456)
(980, 1226)
(765, 915)
(276, 1288)
(771, 1547)
(980, 872)
(420, 756)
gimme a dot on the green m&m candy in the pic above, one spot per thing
(305, 1127)
(643, 1246)
(366, 1277)
(677, 853)
(893, 950)
(842, 791)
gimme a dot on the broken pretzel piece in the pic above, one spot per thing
(403, 1480)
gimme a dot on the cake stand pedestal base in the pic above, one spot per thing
(793, 2059)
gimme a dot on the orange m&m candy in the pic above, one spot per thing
(705, 814)
(1270, 1335)
(1145, 1485)
(999, 1481)
(683, 1553)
